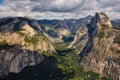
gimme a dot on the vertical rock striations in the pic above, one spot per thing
(99, 47)
(22, 43)
(15, 59)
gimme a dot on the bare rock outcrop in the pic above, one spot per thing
(100, 48)
(28, 38)
(14, 59)
(22, 43)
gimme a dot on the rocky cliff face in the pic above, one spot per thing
(58, 29)
(99, 47)
(29, 36)
(13, 59)
(22, 43)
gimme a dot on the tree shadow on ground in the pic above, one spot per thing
(46, 70)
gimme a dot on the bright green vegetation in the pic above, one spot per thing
(62, 65)
(68, 63)
(58, 67)
(117, 40)
(101, 34)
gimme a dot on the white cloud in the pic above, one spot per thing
(59, 9)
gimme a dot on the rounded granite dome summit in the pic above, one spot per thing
(102, 19)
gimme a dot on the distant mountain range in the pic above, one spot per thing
(116, 23)
(34, 44)
(71, 24)
(60, 28)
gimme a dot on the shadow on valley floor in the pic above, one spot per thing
(65, 51)
(51, 68)
(46, 70)
(60, 66)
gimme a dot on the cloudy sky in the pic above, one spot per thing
(59, 9)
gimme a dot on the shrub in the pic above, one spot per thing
(68, 63)
(104, 25)
(33, 39)
(100, 35)
(118, 51)
(20, 33)
(3, 43)
(117, 40)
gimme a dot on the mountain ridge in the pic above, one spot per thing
(21, 45)
(98, 48)
(29, 48)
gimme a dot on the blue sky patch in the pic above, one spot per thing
(1, 1)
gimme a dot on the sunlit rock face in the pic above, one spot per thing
(102, 20)
(99, 47)
(29, 36)
(22, 43)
